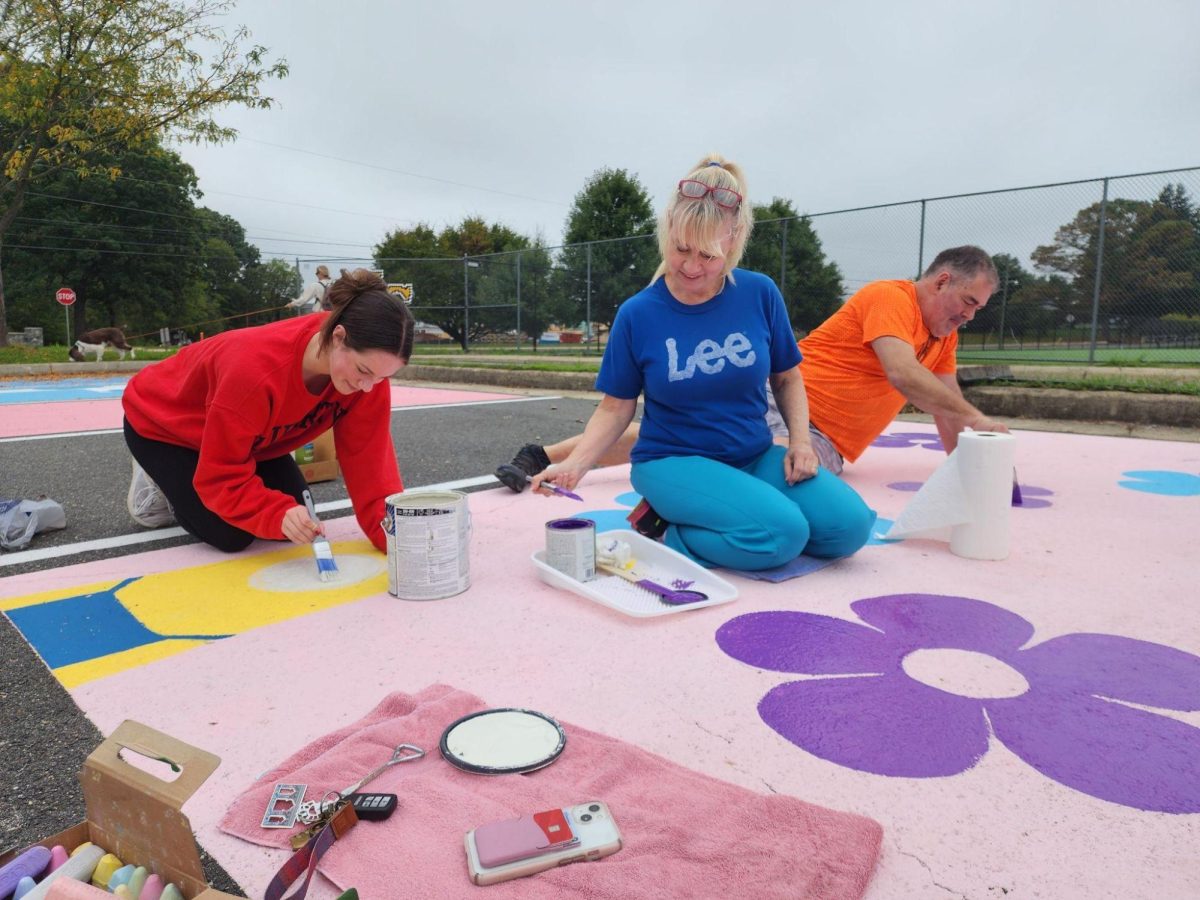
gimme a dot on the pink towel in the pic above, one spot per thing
(685, 834)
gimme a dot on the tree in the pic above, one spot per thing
(81, 81)
(612, 204)
(811, 286)
(464, 279)
(127, 245)
(1151, 261)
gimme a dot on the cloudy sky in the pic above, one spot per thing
(402, 112)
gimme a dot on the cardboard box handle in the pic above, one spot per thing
(195, 765)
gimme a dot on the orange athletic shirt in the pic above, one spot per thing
(849, 396)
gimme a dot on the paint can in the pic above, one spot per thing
(571, 547)
(428, 537)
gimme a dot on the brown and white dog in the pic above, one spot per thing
(96, 340)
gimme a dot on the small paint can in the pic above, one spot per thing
(571, 547)
(428, 539)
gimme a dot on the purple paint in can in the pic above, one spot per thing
(571, 547)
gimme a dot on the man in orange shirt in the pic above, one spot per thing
(892, 342)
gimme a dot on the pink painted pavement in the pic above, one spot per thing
(42, 418)
(1089, 792)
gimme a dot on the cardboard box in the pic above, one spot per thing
(135, 814)
(324, 464)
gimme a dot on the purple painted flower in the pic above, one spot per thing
(900, 439)
(1068, 706)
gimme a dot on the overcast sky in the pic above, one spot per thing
(403, 112)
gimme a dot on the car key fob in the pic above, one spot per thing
(373, 807)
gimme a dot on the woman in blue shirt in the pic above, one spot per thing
(699, 343)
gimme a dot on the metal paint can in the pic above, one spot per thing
(428, 539)
(571, 547)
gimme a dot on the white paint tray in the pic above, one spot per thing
(653, 561)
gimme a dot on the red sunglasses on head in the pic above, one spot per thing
(726, 198)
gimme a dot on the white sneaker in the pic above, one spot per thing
(146, 503)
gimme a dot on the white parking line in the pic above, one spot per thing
(162, 534)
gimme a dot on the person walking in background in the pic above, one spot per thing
(212, 428)
(699, 344)
(312, 299)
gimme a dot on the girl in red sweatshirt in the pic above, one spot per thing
(212, 429)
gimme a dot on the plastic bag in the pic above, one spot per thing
(20, 520)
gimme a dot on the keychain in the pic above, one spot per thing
(312, 811)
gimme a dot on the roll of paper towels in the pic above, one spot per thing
(968, 499)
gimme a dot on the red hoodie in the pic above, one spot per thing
(238, 398)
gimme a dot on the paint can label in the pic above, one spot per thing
(571, 547)
(428, 542)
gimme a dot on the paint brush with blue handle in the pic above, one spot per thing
(326, 565)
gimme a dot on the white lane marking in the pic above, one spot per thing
(162, 534)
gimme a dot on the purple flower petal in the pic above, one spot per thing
(806, 644)
(887, 725)
(1107, 665)
(936, 620)
(1104, 749)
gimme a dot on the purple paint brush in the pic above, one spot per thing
(554, 488)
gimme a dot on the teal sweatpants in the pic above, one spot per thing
(751, 518)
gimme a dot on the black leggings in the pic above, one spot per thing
(173, 469)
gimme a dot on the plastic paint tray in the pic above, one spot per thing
(653, 561)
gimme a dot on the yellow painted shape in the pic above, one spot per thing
(218, 599)
(75, 674)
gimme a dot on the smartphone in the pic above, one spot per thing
(533, 843)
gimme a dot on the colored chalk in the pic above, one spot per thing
(79, 867)
(58, 856)
(153, 889)
(137, 881)
(121, 876)
(29, 864)
(123, 891)
(24, 886)
(108, 864)
(351, 894)
(170, 892)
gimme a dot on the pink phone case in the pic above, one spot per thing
(521, 838)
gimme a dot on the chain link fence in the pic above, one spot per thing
(1098, 271)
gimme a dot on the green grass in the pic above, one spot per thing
(1176, 356)
(19, 355)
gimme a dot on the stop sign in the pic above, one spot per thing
(65, 296)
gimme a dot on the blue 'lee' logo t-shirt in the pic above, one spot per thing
(703, 369)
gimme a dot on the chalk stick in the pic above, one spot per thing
(31, 864)
(25, 884)
(170, 892)
(121, 876)
(108, 864)
(137, 881)
(58, 856)
(70, 889)
(152, 889)
(80, 867)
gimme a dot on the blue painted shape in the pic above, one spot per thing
(87, 626)
(57, 391)
(1162, 481)
(607, 519)
(878, 530)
